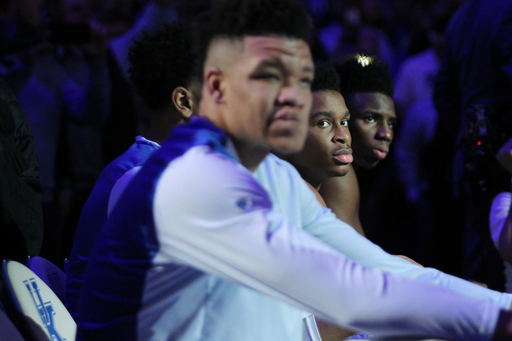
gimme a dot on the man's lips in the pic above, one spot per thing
(284, 116)
(284, 123)
(381, 152)
(343, 156)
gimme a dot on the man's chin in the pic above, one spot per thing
(339, 171)
(369, 164)
(286, 146)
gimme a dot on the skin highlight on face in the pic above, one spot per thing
(327, 152)
(260, 88)
(372, 127)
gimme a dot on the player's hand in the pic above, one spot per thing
(504, 156)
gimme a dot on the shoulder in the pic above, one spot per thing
(341, 186)
(205, 182)
(341, 194)
(134, 156)
(273, 166)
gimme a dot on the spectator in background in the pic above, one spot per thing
(473, 88)
(21, 25)
(373, 41)
(500, 217)
(415, 78)
(415, 107)
(65, 86)
(21, 216)
(87, 111)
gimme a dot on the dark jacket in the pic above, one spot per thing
(20, 191)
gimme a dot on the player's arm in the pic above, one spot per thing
(226, 225)
(341, 194)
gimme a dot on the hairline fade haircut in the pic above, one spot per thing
(160, 62)
(326, 78)
(362, 73)
(236, 19)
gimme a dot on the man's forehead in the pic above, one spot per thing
(328, 100)
(374, 101)
(279, 44)
(328, 97)
(263, 46)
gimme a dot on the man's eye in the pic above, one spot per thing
(323, 124)
(306, 82)
(344, 123)
(391, 124)
(268, 77)
(369, 119)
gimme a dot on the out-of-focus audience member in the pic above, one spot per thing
(129, 116)
(500, 217)
(21, 25)
(367, 87)
(87, 111)
(473, 89)
(161, 71)
(21, 215)
(418, 121)
(416, 75)
(67, 92)
(373, 41)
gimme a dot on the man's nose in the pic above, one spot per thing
(291, 95)
(342, 135)
(385, 132)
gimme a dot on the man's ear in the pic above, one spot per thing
(212, 83)
(183, 101)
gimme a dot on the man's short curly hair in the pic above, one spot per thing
(234, 19)
(162, 61)
(361, 73)
(326, 78)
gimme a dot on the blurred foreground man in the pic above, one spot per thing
(201, 248)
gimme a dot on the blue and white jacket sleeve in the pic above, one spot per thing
(226, 225)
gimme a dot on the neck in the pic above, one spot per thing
(315, 184)
(250, 156)
(160, 127)
(311, 176)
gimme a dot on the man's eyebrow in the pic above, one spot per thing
(272, 63)
(309, 69)
(373, 112)
(322, 113)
